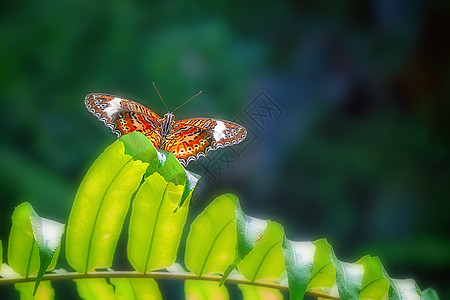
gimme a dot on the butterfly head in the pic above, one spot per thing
(169, 117)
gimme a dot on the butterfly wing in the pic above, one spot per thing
(192, 138)
(124, 116)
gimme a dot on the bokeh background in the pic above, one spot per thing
(357, 150)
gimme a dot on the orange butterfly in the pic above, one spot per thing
(187, 139)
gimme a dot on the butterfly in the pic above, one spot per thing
(187, 139)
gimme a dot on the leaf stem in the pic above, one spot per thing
(156, 275)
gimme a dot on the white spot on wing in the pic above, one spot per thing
(219, 131)
(114, 107)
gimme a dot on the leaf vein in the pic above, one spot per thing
(97, 215)
(262, 260)
(29, 259)
(154, 228)
(212, 246)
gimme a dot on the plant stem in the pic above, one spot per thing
(156, 275)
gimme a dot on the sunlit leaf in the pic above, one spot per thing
(250, 292)
(1, 255)
(249, 231)
(404, 289)
(265, 260)
(136, 289)
(141, 148)
(204, 290)
(349, 278)
(374, 285)
(94, 289)
(174, 172)
(23, 251)
(45, 291)
(154, 225)
(7, 272)
(170, 166)
(47, 234)
(191, 182)
(210, 244)
(175, 268)
(299, 258)
(33, 245)
(103, 199)
(323, 273)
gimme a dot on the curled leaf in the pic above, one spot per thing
(47, 234)
(299, 258)
(249, 231)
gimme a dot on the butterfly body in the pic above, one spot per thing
(167, 124)
(187, 139)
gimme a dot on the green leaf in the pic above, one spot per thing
(210, 244)
(23, 251)
(249, 231)
(299, 258)
(103, 199)
(349, 278)
(1, 255)
(250, 292)
(191, 182)
(94, 289)
(175, 268)
(204, 290)
(323, 274)
(404, 289)
(141, 148)
(47, 234)
(174, 172)
(8, 272)
(45, 292)
(265, 260)
(430, 294)
(171, 169)
(154, 226)
(374, 285)
(136, 289)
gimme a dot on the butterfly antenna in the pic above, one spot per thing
(188, 100)
(160, 96)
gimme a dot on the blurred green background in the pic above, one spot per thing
(358, 153)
